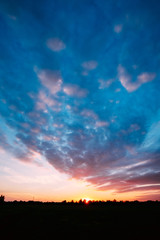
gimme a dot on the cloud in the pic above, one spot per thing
(50, 79)
(146, 179)
(105, 83)
(132, 128)
(145, 77)
(91, 116)
(123, 180)
(88, 129)
(75, 91)
(55, 44)
(102, 124)
(118, 28)
(4, 144)
(89, 113)
(126, 79)
(152, 195)
(90, 65)
(44, 102)
(152, 138)
(20, 150)
(26, 156)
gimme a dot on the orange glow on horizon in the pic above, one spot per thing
(86, 200)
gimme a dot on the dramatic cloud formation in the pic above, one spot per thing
(80, 88)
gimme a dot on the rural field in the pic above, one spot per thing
(131, 220)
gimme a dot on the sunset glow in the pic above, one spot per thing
(79, 100)
(86, 200)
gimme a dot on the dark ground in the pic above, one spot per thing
(80, 221)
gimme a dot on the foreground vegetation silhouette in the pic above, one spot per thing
(135, 220)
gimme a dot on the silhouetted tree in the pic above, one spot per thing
(2, 198)
(80, 201)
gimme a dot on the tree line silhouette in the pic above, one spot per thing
(83, 202)
(2, 198)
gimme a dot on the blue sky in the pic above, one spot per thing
(80, 88)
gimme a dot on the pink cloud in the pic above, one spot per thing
(48, 100)
(146, 77)
(89, 113)
(74, 91)
(35, 130)
(133, 128)
(102, 124)
(92, 115)
(118, 28)
(126, 79)
(58, 125)
(55, 44)
(51, 80)
(105, 83)
(45, 101)
(47, 138)
(25, 125)
(90, 65)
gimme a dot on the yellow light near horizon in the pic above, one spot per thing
(86, 199)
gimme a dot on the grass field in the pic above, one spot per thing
(103, 221)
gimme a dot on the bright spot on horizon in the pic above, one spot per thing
(87, 199)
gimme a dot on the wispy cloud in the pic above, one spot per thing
(145, 77)
(102, 123)
(89, 113)
(74, 91)
(105, 83)
(152, 138)
(90, 65)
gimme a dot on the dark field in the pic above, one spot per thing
(100, 220)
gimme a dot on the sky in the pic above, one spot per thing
(80, 99)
